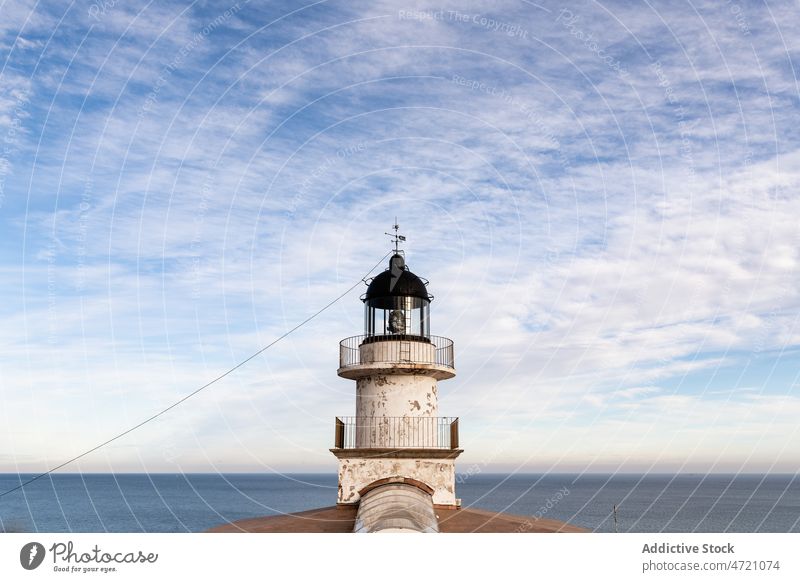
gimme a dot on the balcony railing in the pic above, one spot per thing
(395, 432)
(390, 349)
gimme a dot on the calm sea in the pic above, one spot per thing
(195, 502)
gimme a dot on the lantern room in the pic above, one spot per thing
(397, 304)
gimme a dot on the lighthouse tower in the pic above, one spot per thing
(396, 455)
(397, 451)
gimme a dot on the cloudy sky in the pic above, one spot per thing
(603, 196)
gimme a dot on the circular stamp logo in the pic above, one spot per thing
(31, 555)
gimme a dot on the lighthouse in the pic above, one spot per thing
(396, 451)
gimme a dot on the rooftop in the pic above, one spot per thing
(342, 519)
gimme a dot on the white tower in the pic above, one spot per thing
(397, 442)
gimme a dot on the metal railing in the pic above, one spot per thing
(396, 432)
(391, 349)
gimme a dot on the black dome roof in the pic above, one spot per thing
(396, 281)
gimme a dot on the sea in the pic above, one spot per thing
(603, 503)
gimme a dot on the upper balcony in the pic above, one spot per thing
(362, 355)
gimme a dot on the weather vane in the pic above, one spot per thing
(397, 238)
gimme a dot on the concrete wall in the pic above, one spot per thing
(396, 410)
(357, 473)
(397, 395)
(397, 351)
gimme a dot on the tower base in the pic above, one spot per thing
(431, 470)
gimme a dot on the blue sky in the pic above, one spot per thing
(603, 196)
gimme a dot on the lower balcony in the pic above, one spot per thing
(396, 433)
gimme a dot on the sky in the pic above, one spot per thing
(603, 196)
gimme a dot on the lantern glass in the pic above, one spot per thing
(397, 316)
